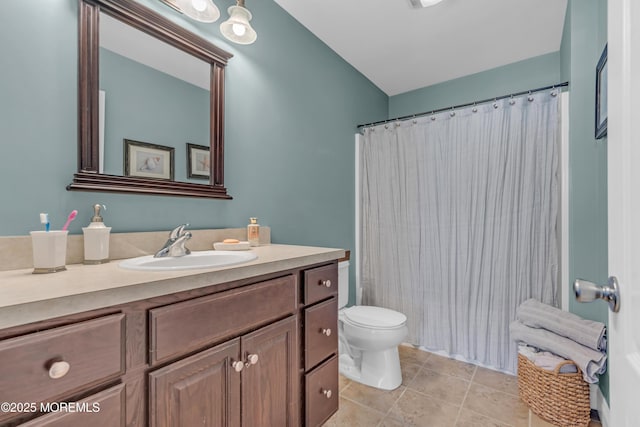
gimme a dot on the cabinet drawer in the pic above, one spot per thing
(320, 283)
(93, 350)
(187, 326)
(104, 409)
(321, 393)
(320, 332)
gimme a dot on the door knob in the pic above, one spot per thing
(326, 283)
(58, 369)
(587, 292)
(252, 359)
(237, 365)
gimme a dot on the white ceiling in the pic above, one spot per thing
(138, 46)
(400, 48)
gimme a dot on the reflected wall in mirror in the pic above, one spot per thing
(146, 98)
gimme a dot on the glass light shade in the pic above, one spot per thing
(427, 3)
(237, 27)
(200, 10)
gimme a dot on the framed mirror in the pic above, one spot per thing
(183, 109)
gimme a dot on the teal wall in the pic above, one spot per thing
(292, 106)
(146, 105)
(291, 109)
(583, 42)
(540, 71)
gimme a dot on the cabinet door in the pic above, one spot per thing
(201, 390)
(270, 378)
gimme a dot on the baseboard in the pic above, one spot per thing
(599, 403)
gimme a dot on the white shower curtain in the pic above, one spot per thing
(458, 222)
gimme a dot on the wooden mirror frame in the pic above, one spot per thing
(88, 178)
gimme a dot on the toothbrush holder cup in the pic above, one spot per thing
(49, 251)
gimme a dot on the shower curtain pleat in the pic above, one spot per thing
(458, 218)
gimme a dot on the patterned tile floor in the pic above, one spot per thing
(437, 392)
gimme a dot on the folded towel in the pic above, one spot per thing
(546, 360)
(590, 361)
(586, 332)
(527, 351)
(550, 362)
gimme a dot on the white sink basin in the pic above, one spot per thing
(200, 259)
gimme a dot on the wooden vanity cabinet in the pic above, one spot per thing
(320, 344)
(252, 353)
(42, 369)
(250, 378)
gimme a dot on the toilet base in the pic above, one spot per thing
(379, 369)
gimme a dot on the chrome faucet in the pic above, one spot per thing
(174, 247)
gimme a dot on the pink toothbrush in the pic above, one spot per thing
(71, 217)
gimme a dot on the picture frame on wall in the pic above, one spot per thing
(198, 161)
(601, 96)
(145, 160)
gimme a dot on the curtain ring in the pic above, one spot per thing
(433, 117)
(511, 100)
(453, 112)
(530, 98)
(397, 124)
(474, 109)
(495, 103)
(554, 92)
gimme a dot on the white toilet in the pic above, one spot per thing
(368, 339)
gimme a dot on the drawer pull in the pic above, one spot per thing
(325, 282)
(326, 331)
(58, 369)
(252, 359)
(327, 393)
(237, 365)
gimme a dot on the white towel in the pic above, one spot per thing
(586, 332)
(546, 360)
(590, 361)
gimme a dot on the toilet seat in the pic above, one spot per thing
(374, 317)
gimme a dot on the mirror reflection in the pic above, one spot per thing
(154, 107)
(151, 104)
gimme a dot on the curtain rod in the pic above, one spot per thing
(439, 110)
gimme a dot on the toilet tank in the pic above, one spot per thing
(343, 283)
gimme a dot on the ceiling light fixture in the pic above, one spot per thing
(237, 28)
(200, 10)
(424, 3)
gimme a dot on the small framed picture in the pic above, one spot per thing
(146, 160)
(198, 161)
(601, 96)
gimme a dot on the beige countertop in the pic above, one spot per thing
(27, 297)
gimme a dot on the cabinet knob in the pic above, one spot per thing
(326, 331)
(58, 369)
(237, 365)
(325, 282)
(252, 359)
(327, 393)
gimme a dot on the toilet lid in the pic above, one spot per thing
(374, 317)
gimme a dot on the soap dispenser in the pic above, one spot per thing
(253, 232)
(96, 239)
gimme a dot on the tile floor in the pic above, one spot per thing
(436, 392)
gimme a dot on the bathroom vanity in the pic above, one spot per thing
(247, 345)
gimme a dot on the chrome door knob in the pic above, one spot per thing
(587, 291)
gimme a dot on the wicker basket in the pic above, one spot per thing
(561, 399)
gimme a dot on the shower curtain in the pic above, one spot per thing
(458, 222)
